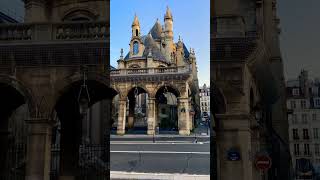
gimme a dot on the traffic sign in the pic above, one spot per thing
(263, 162)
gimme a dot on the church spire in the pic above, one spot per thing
(168, 24)
(135, 21)
(135, 26)
(168, 14)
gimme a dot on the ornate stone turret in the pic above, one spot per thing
(168, 22)
(135, 26)
(121, 60)
(168, 33)
(180, 53)
(136, 44)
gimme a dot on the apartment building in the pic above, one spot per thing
(303, 104)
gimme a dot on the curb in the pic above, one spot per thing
(157, 136)
(114, 175)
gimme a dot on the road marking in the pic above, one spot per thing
(156, 136)
(157, 142)
(158, 176)
(160, 152)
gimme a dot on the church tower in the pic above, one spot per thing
(168, 24)
(136, 44)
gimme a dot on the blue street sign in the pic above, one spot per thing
(233, 155)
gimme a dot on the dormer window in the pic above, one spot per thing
(135, 48)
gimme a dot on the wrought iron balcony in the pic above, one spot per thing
(26, 32)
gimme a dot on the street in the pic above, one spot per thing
(168, 154)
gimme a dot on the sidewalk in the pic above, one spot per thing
(118, 175)
(200, 131)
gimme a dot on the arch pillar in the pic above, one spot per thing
(183, 116)
(38, 149)
(132, 103)
(122, 111)
(151, 116)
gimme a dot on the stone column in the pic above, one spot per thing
(191, 124)
(132, 104)
(151, 116)
(183, 116)
(38, 149)
(156, 114)
(122, 116)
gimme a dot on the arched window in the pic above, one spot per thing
(80, 19)
(137, 32)
(134, 66)
(135, 48)
(79, 15)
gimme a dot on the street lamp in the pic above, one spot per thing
(257, 112)
(83, 101)
(83, 105)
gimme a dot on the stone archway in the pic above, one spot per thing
(80, 135)
(166, 107)
(137, 110)
(16, 106)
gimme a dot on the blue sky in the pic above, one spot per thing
(191, 21)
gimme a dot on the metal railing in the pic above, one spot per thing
(14, 165)
(92, 162)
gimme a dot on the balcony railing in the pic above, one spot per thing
(54, 31)
(149, 71)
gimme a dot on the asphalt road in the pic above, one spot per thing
(174, 156)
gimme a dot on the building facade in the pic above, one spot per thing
(304, 125)
(44, 62)
(165, 72)
(248, 90)
(204, 93)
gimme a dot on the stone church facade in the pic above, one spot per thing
(156, 65)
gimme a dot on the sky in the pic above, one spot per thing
(13, 8)
(300, 36)
(191, 20)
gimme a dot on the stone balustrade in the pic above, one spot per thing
(158, 70)
(21, 32)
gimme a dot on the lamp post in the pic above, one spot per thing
(83, 101)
